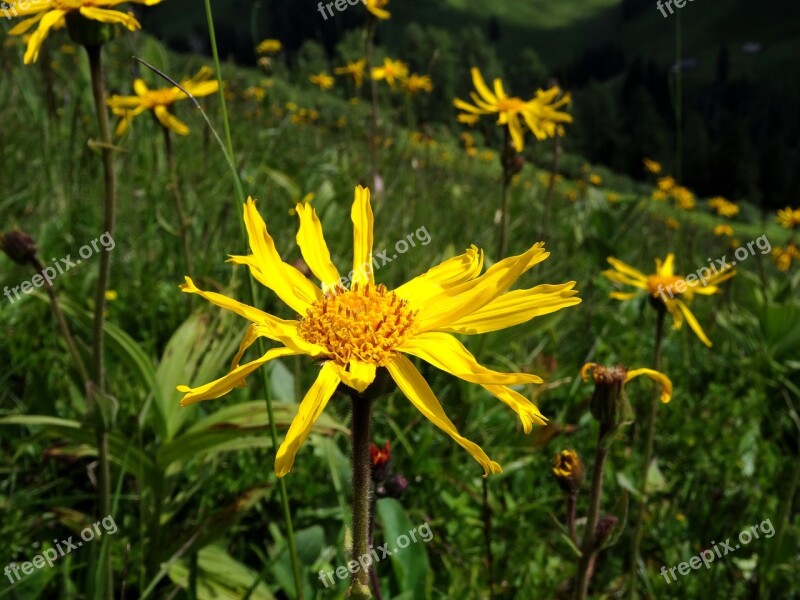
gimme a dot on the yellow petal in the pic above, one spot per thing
(236, 378)
(516, 307)
(30, 8)
(623, 295)
(26, 24)
(466, 298)
(307, 414)
(417, 390)
(626, 269)
(480, 85)
(585, 370)
(170, 121)
(110, 16)
(692, 321)
(361, 215)
(666, 384)
(47, 22)
(288, 283)
(528, 412)
(445, 352)
(359, 375)
(668, 268)
(445, 275)
(313, 247)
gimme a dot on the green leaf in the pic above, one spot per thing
(410, 564)
(220, 577)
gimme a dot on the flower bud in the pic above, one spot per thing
(568, 470)
(396, 486)
(605, 527)
(609, 404)
(380, 458)
(88, 32)
(19, 246)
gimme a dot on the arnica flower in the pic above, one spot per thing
(595, 179)
(784, 256)
(322, 80)
(601, 373)
(723, 229)
(666, 184)
(674, 291)
(659, 195)
(51, 14)
(355, 70)
(391, 72)
(352, 332)
(378, 8)
(684, 198)
(269, 46)
(568, 471)
(651, 166)
(723, 207)
(415, 84)
(540, 114)
(158, 101)
(788, 218)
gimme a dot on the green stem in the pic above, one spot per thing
(589, 547)
(104, 274)
(548, 199)
(362, 487)
(648, 455)
(284, 497)
(373, 142)
(183, 220)
(507, 155)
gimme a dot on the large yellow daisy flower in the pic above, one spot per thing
(128, 107)
(50, 14)
(670, 289)
(358, 329)
(540, 114)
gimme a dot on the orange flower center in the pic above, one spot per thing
(662, 283)
(161, 97)
(366, 323)
(510, 105)
(68, 5)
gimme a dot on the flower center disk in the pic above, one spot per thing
(366, 323)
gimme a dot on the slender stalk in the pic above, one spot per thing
(589, 547)
(648, 455)
(183, 220)
(94, 53)
(572, 502)
(507, 155)
(362, 490)
(373, 140)
(548, 199)
(487, 536)
(228, 148)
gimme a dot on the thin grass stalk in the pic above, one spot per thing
(183, 220)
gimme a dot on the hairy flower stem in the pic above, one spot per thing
(94, 54)
(362, 489)
(590, 547)
(237, 182)
(183, 220)
(648, 454)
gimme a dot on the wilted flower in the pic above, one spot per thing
(128, 107)
(18, 246)
(355, 332)
(568, 471)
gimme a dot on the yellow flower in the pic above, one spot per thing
(672, 223)
(723, 207)
(784, 257)
(668, 288)
(128, 107)
(665, 184)
(659, 195)
(269, 46)
(468, 119)
(683, 197)
(723, 229)
(417, 83)
(377, 8)
(111, 295)
(652, 166)
(51, 14)
(595, 179)
(599, 372)
(255, 93)
(613, 197)
(354, 331)
(789, 218)
(467, 139)
(391, 71)
(540, 114)
(355, 70)
(323, 80)
(568, 471)
(487, 155)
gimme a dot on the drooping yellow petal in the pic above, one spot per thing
(358, 375)
(110, 16)
(480, 85)
(514, 308)
(307, 414)
(170, 121)
(313, 247)
(445, 275)
(623, 295)
(363, 223)
(47, 22)
(627, 270)
(693, 323)
(445, 352)
(287, 282)
(624, 279)
(528, 412)
(236, 378)
(666, 384)
(417, 390)
(26, 24)
(461, 300)
(30, 8)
